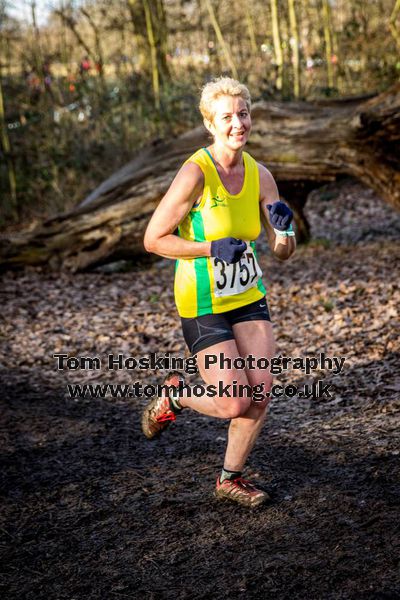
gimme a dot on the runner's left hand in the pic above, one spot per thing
(280, 215)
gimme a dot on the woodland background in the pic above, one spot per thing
(84, 88)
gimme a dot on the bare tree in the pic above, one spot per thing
(5, 144)
(38, 47)
(224, 44)
(326, 14)
(392, 22)
(67, 17)
(277, 43)
(250, 28)
(294, 45)
(98, 46)
(153, 54)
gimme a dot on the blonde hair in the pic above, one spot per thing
(221, 86)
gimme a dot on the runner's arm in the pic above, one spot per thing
(171, 211)
(282, 247)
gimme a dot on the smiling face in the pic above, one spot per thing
(231, 124)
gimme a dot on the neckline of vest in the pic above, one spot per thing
(220, 180)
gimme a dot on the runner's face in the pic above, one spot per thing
(231, 125)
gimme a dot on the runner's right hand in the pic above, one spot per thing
(228, 249)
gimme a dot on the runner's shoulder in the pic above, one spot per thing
(268, 186)
(265, 174)
(189, 182)
(192, 173)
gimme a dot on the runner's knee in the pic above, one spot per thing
(237, 407)
(260, 391)
(266, 383)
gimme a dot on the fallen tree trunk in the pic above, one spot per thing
(304, 146)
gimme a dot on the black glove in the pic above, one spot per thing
(228, 249)
(280, 216)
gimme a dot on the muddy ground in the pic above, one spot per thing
(92, 510)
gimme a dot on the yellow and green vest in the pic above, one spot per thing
(219, 214)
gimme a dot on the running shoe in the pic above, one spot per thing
(158, 414)
(241, 491)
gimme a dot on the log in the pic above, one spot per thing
(304, 145)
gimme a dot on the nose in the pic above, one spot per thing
(236, 121)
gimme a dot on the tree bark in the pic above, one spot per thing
(277, 44)
(326, 14)
(392, 23)
(252, 35)
(304, 146)
(6, 148)
(38, 55)
(294, 45)
(155, 76)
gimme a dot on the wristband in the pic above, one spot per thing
(290, 232)
(287, 233)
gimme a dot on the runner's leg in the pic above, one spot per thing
(256, 338)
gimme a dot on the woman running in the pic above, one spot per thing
(217, 201)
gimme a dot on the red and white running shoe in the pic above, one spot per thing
(159, 414)
(241, 491)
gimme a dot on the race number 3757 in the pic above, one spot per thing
(238, 277)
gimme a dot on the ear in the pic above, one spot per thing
(208, 125)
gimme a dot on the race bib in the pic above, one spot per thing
(230, 279)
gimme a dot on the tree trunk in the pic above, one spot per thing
(328, 41)
(155, 74)
(6, 148)
(162, 41)
(304, 145)
(294, 45)
(224, 45)
(277, 44)
(392, 23)
(38, 56)
(252, 35)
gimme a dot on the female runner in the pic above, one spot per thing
(218, 200)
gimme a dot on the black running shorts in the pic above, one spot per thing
(205, 331)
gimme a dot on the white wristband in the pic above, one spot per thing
(287, 233)
(282, 233)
